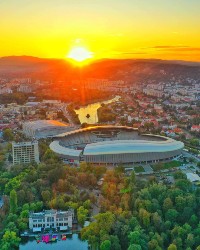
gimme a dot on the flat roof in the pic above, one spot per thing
(25, 143)
(192, 177)
(131, 146)
(39, 124)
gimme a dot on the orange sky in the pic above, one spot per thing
(167, 29)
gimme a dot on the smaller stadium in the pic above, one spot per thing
(44, 128)
(114, 145)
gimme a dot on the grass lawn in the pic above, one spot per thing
(166, 165)
(139, 169)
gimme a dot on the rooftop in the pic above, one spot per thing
(39, 124)
(192, 177)
(27, 143)
(105, 127)
(50, 212)
(132, 146)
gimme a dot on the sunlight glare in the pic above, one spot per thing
(80, 54)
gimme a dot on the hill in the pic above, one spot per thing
(126, 69)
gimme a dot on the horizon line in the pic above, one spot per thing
(99, 59)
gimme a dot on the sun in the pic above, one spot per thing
(79, 54)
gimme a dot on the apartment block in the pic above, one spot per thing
(25, 152)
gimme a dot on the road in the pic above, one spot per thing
(187, 154)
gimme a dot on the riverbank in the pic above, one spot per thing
(105, 114)
(91, 109)
(72, 242)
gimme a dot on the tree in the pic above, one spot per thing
(92, 232)
(46, 196)
(10, 158)
(190, 240)
(180, 175)
(184, 185)
(115, 245)
(105, 245)
(193, 221)
(180, 202)
(22, 225)
(11, 227)
(24, 214)
(49, 154)
(87, 204)
(82, 215)
(12, 184)
(10, 241)
(134, 237)
(13, 201)
(157, 221)
(145, 217)
(8, 134)
(134, 247)
(132, 181)
(172, 247)
(194, 142)
(153, 244)
(171, 215)
(167, 204)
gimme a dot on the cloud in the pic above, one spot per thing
(117, 52)
(133, 53)
(175, 48)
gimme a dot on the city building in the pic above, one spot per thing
(46, 219)
(25, 88)
(44, 128)
(193, 177)
(114, 145)
(25, 152)
(195, 128)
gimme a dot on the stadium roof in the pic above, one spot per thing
(95, 128)
(131, 146)
(57, 148)
(39, 124)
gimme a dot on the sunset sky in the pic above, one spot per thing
(167, 29)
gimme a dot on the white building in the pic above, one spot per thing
(51, 219)
(193, 177)
(25, 152)
(25, 88)
(6, 90)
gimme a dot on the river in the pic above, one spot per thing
(72, 243)
(91, 109)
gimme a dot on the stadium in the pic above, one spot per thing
(114, 145)
(44, 128)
